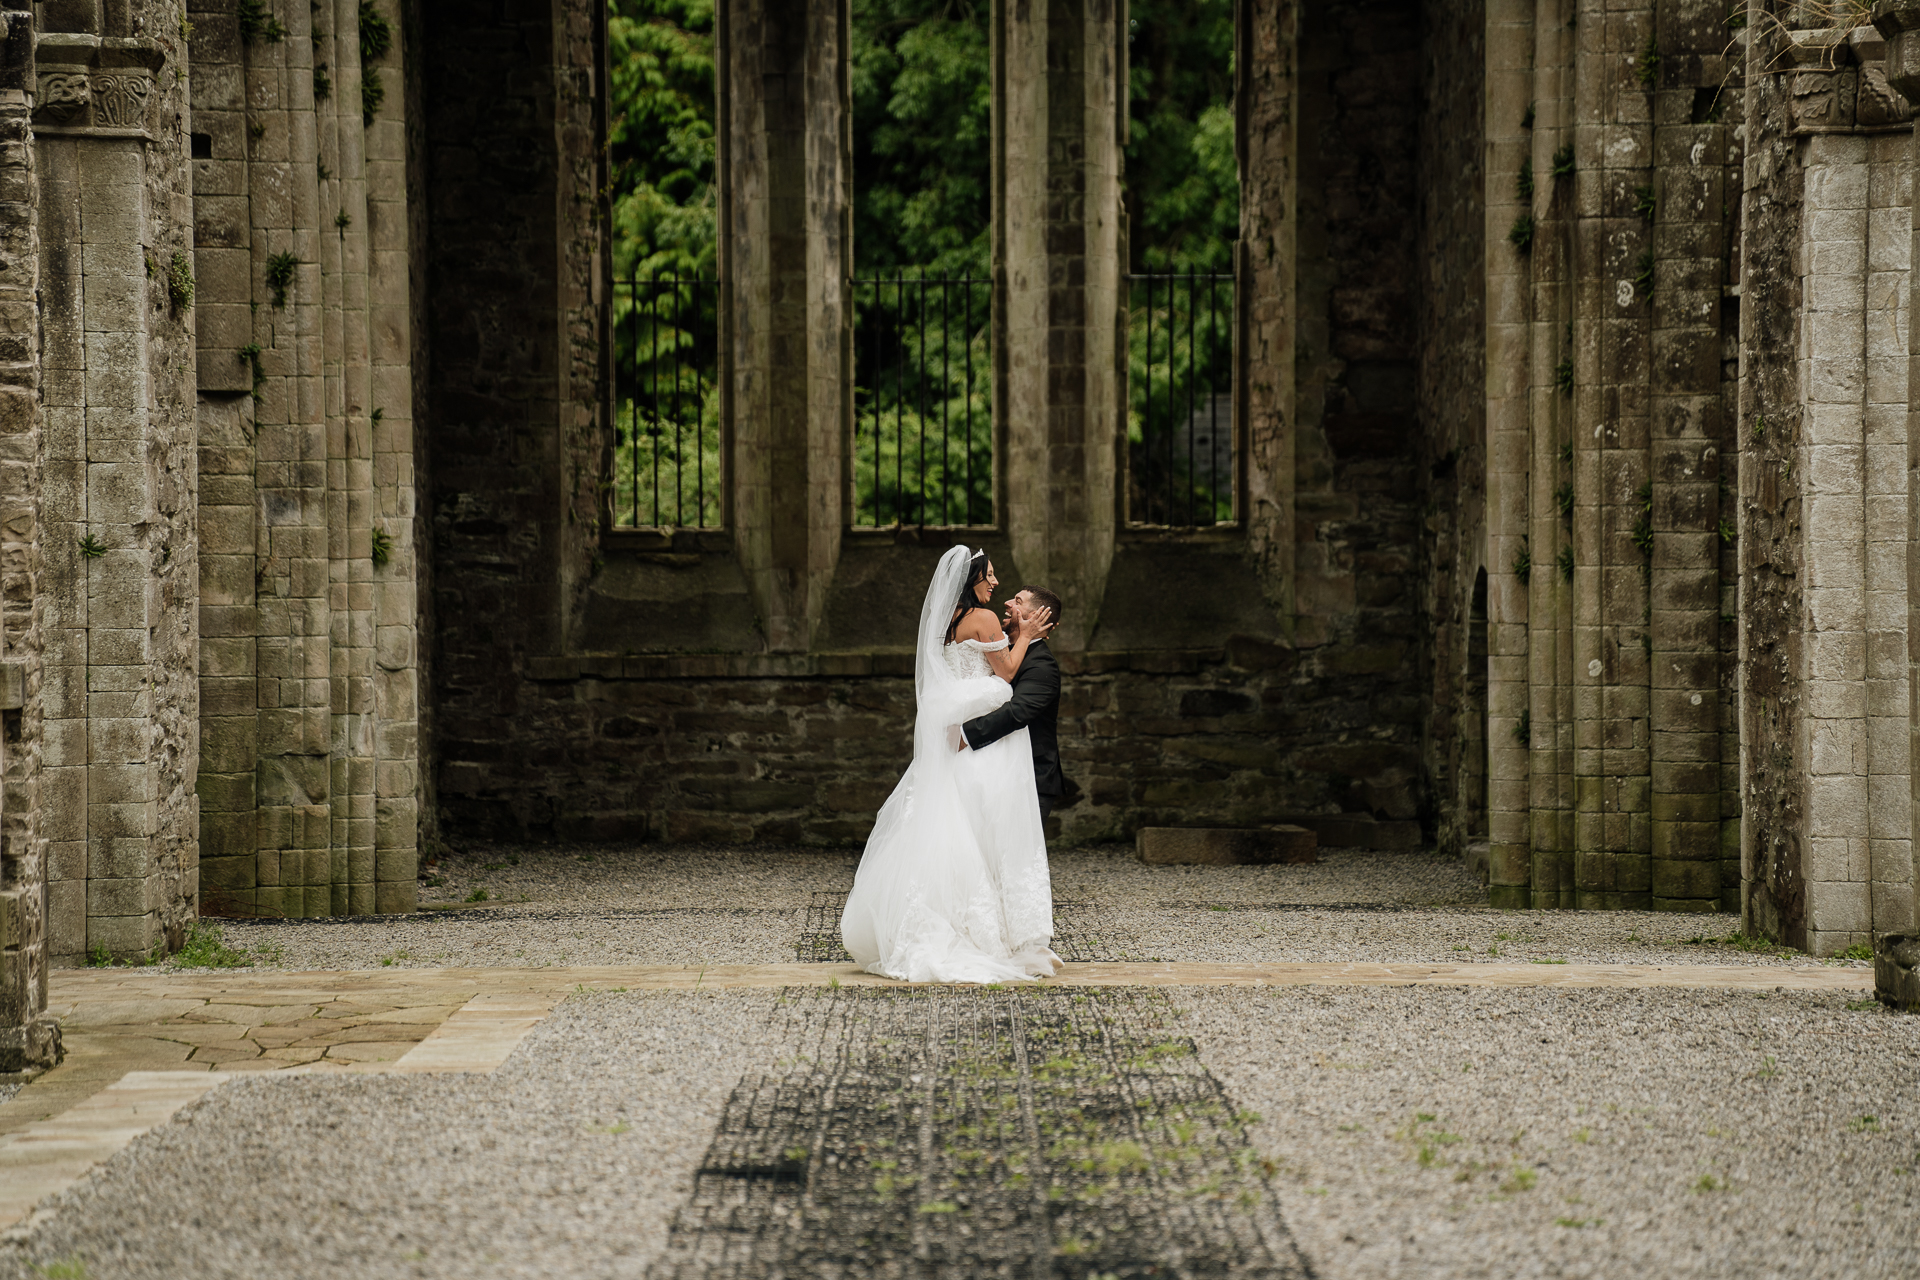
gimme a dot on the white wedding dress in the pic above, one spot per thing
(953, 886)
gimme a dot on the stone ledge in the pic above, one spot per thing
(897, 663)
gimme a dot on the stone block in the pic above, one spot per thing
(1227, 847)
(1896, 971)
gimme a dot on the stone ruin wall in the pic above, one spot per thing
(660, 713)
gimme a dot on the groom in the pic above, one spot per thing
(1035, 704)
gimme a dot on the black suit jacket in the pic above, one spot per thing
(1035, 706)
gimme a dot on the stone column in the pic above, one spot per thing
(118, 691)
(396, 650)
(28, 1037)
(1509, 108)
(1267, 88)
(786, 254)
(1057, 275)
(1550, 591)
(1686, 431)
(1607, 466)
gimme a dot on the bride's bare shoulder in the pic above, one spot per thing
(979, 624)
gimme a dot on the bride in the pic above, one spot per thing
(953, 886)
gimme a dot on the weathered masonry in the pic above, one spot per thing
(1565, 495)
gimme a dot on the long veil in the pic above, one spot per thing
(927, 903)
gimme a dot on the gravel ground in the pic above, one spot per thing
(674, 906)
(1411, 1133)
(1580, 1134)
(568, 1161)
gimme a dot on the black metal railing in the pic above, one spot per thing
(667, 470)
(1181, 462)
(923, 410)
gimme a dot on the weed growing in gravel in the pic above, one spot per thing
(1549, 962)
(1462, 947)
(1855, 1006)
(392, 956)
(478, 895)
(1577, 1223)
(434, 882)
(1583, 1135)
(206, 948)
(1710, 1183)
(1858, 951)
(98, 956)
(68, 1268)
(1493, 951)
(1766, 1070)
(1520, 1180)
(1864, 1124)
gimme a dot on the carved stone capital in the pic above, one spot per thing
(91, 84)
(1899, 22)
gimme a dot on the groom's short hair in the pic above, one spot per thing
(1046, 600)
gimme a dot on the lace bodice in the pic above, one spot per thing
(968, 658)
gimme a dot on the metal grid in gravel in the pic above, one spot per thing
(963, 1133)
(1086, 933)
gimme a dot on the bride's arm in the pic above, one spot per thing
(1005, 662)
(981, 625)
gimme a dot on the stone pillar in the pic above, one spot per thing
(28, 1037)
(1267, 88)
(340, 121)
(395, 591)
(1550, 590)
(118, 690)
(229, 620)
(1057, 276)
(1686, 432)
(1607, 466)
(787, 252)
(1510, 109)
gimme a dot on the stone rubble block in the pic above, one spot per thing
(1228, 846)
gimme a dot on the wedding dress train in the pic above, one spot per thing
(953, 886)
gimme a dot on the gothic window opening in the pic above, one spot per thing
(668, 465)
(1183, 210)
(922, 104)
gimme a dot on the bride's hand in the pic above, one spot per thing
(1040, 622)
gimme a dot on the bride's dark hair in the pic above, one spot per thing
(976, 574)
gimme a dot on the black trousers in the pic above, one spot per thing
(1046, 806)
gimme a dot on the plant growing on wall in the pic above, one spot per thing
(382, 547)
(92, 548)
(1523, 186)
(1565, 562)
(280, 269)
(180, 281)
(1643, 203)
(257, 22)
(1523, 563)
(1563, 375)
(250, 356)
(1563, 162)
(1643, 273)
(1563, 498)
(376, 33)
(1523, 728)
(1647, 69)
(1521, 235)
(322, 82)
(372, 94)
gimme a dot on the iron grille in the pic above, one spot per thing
(1180, 437)
(923, 416)
(667, 470)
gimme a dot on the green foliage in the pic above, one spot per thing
(1523, 728)
(1563, 161)
(98, 957)
(1858, 951)
(1647, 69)
(206, 948)
(343, 219)
(660, 137)
(1563, 375)
(92, 548)
(280, 270)
(382, 547)
(1563, 498)
(373, 93)
(1523, 185)
(1644, 203)
(257, 22)
(1565, 561)
(478, 895)
(322, 82)
(67, 1268)
(376, 33)
(1523, 563)
(1726, 531)
(1183, 185)
(1520, 235)
(180, 281)
(1643, 273)
(250, 355)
